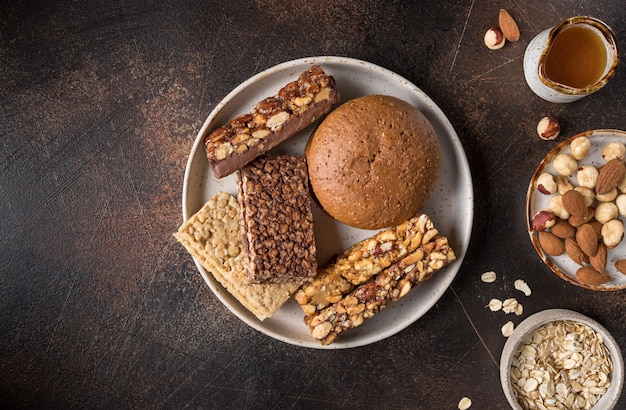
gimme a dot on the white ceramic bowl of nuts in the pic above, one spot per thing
(576, 207)
(561, 359)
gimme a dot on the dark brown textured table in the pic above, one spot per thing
(100, 103)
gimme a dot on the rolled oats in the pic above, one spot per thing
(495, 305)
(510, 305)
(507, 329)
(522, 287)
(488, 277)
(465, 403)
(561, 365)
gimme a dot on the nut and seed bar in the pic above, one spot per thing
(364, 260)
(276, 220)
(213, 236)
(273, 120)
(388, 286)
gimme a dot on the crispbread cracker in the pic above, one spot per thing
(213, 237)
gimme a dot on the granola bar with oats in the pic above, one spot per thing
(277, 220)
(363, 261)
(274, 119)
(213, 236)
(373, 296)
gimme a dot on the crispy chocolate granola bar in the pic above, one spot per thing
(273, 120)
(276, 220)
(371, 297)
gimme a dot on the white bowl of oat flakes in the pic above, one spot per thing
(561, 359)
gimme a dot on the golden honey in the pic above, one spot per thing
(577, 57)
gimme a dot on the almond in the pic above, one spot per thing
(597, 226)
(609, 176)
(574, 203)
(589, 276)
(620, 265)
(598, 261)
(551, 244)
(508, 26)
(575, 253)
(562, 229)
(576, 220)
(587, 239)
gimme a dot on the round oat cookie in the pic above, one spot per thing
(373, 162)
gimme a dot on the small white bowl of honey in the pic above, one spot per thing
(571, 60)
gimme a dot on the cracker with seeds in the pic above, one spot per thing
(213, 237)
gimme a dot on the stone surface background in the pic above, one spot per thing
(100, 102)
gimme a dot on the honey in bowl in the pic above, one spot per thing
(577, 57)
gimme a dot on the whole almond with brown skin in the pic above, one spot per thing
(551, 244)
(589, 276)
(598, 261)
(575, 253)
(574, 203)
(508, 26)
(620, 265)
(587, 239)
(609, 176)
(576, 220)
(562, 229)
(597, 226)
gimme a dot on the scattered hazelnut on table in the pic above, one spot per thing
(548, 128)
(494, 39)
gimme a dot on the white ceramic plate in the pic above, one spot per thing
(451, 206)
(562, 265)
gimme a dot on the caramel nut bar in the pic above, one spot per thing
(276, 220)
(364, 260)
(388, 286)
(273, 120)
(213, 236)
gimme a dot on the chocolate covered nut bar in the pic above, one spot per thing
(371, 297)
(213, 236)
(276, 220)
(273, 120)
(363, 261)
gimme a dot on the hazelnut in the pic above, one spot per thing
(608, 197)
(605, 212)
(579, 147)
(587, 176)
(494, 39)
(612, 233)
(564, 164)
(548, 128)
(620, 201)
(546, 183)
(563, 184)
(614, 150)
(555, 204)
(543, 220)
